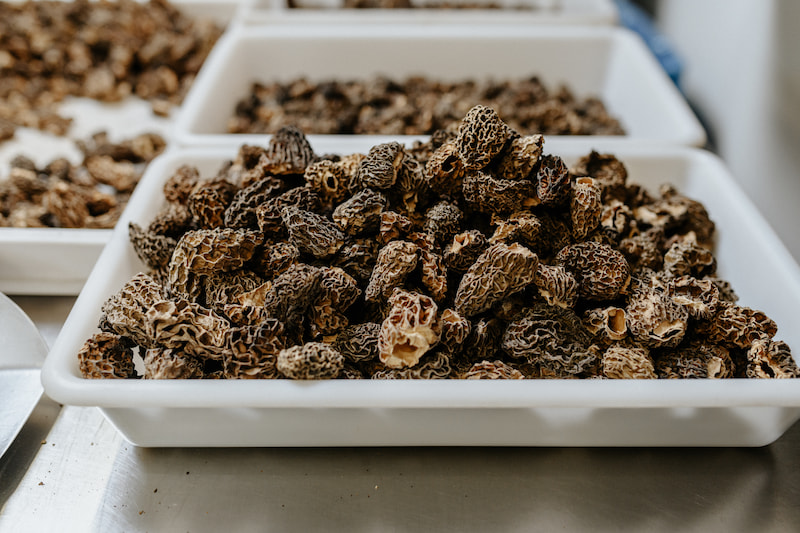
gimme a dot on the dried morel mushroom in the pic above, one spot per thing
(101, 50)
(770, 359)
(656, 320)
(393, 226)
(107, 356)
(357, 257)
(586, 207)
(443, 221)
(289, 152)
(738, 326)
(522, 227)
(499, 272)
(645, 249)
(455, 330)
(166, 363)
(202, 252)
(552, 181)
(90, 195)
(553, 339)
(492, 370)
(700, 297)
(329, 179)
(187, 326)
(615, 219)
(464, 250)
(312, 233)
(433, 274)
(435, 365)
(395, 262)
(520, 157)
(337, 292)
(290, 295)
(209, 200)
(556, 285)
(180, 184)
(121, 175)
(379, 169)
(410, 329)
(350, 163)
(252, 351)
(444, 170)
(676, 214)
(225, 288)
(688, 259)
(244, 315)
(607, 324)
(268, 214)
(695, 360)
(410, 190)
(415, 105)
(608, 171)
(602, 272)
(241, 212)
(481, 136)
(313, 360)
(622, 362)
(274, 259)
(486, 194)
(124, 312)
(154, 250)
(361, 213)
(359, 342)
(314, 275)
(172, 221)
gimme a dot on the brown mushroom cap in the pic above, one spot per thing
(602, 272)
(481, 136)
(313, 360)
(411, 328)
(107, 356)
(498, 272)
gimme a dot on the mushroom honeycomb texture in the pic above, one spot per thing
(475, 255)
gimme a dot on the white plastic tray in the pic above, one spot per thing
(527, 413)
(58, 261)
(545, 12)
(610, 63)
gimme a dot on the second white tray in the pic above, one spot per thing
(610, 63)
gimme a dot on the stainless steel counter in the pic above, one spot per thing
(69, 470)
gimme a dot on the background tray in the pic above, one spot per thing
(530, 412)
(43, 261)
(610, 63)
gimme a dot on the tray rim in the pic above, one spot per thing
(586, 12)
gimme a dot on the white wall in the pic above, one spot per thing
(742, 72)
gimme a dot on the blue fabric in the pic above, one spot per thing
(636, 19)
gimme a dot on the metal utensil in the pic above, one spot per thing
(22, 351)
(20, 390)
